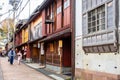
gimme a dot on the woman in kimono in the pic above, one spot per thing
(19, 54)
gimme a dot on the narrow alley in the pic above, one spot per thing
(19, 72)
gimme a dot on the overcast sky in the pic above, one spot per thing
(24, 14)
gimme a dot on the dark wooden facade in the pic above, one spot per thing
(18, 34)
(58, 53)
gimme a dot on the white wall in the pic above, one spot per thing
(78, 17)
(105, 62)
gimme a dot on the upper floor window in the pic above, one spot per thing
(59, 9)
(38, 29)
(66, 4)
(96, 19)
(99, 18)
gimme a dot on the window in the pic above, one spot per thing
(54, 47)
(96, 19)
(38, 30)
(59, 9)
(98, 26)
(51, 47)
(66, 4)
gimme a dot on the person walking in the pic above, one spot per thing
(11, 56)
(19, 54)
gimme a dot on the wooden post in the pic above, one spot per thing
(72, 20)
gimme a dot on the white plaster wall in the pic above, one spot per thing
(78, 17)
(105, 62)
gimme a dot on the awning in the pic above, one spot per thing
(21, 45)
(61, 34)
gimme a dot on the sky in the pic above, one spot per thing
(25, 12)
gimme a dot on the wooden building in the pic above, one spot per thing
(21, 39)
(50, 35)
(57, 44)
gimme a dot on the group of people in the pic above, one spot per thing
(12, 54)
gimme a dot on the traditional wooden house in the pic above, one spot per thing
(37, 32)
(50, 35)
(21, 38)
(18, 34)
(25, 45)
(57, 44)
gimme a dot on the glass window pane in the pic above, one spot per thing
(103, 27)
(94, 29)
(89, 19)
(103, 20)
(93, 17)
(103, 14)
(94, 23)
(89, 30)
(89, 25)
(89, 14)
(96, 19)
(98, 22)
(98, 28)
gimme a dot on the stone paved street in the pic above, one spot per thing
(20, 72)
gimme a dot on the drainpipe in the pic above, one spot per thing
(72, 20)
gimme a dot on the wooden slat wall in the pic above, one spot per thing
(43, 23)
(59, 16)
(66, 16)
